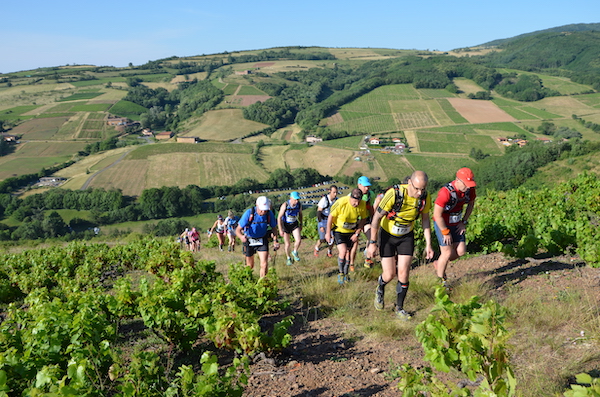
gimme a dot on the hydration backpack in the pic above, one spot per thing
(454, 197)
(399, 201)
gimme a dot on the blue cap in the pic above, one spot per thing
(295, 195)
(363, 180)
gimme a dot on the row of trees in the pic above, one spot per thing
(167, 109)
(111, 206)
(510, 170)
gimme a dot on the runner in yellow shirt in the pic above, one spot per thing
(346, 219)
(396, 213)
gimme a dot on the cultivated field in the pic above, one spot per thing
(467, 86)
(326, 160)
(15, 166)
(478, 111)
(350, 143)
(127, 175)
(456, 143)
(369, 125)
(179, 169)
(564, 106)
(272, 157)
(38, 129)
(222, 125)
(440, 167)
(370, 168)
(393, 165)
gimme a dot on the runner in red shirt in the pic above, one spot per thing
(450, 221)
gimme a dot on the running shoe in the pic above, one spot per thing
(346, 278)
(379, 293)
(446, 284)
(295, 255)
(368, 263)
(289, 262)
(341, 279)
(316, 252)
(403, 315)
(329, 253)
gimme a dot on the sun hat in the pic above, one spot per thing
(466, 176)
(263, 203)
(295, 195)
(365, 181)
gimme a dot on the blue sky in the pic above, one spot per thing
(38, 34)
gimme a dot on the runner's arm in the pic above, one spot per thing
(426, 222)
(439, 219)
(280, 218)
(240, 233)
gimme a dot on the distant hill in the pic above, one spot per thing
(576, 51)
(574, 27)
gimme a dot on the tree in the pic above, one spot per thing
(53, 225)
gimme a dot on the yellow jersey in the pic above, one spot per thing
(345, 216)
(402, 222)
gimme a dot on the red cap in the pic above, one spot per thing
(466, 176)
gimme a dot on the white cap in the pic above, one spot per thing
(263, 203)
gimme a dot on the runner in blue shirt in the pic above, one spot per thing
(253, 231)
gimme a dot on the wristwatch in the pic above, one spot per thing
(465, 222)
(372, 241)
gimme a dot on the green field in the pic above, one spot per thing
(451, 112)
(431, 93)
(179, 169)
(350, 115)
(456, 143)
(592, 100)
(394, 166)
(28, 165)
(81, 95)
(103, 82)
(472, 128)
(351, 142)
(440, 168)
(127, 109)
(63, 107)
(143, 152)
(96, 107)
(49, 149)
(230, 89)
(250, 90)
(222, 125)
(518, 114)
(539, 112)
(371, 124)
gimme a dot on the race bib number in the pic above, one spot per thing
(455, 218)
(290, 219)
(350, 226)
(400, 230)
(254, 242)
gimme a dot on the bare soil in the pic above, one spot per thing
(477, 111)
(324, 360)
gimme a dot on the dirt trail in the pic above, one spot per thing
(330, 358)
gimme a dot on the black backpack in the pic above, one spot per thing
(454, 197)
(399, 201)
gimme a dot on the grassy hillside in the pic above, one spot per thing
(576, 51)
(69, 106)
